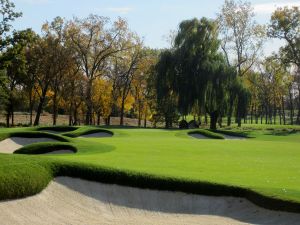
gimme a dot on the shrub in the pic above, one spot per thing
(193, 124)
(183, 124)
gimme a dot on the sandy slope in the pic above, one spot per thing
(230, 137)
(74, 201)
(10, 145)
(199, 136)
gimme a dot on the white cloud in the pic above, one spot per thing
(267, 8)
(121, 10)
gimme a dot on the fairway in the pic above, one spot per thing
(267, 163)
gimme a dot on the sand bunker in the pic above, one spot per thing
(97, 134)
(75, 201)
(230, 137)
(199, 136)
(10, 145)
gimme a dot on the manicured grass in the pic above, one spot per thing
(266, 165)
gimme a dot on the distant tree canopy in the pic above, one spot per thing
(92, 69)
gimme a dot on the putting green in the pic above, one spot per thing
(268, 164)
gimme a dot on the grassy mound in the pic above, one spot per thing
(206, 133)
(22, 176)
(45, 147)
(58, 128)
(87, 130)
(232, 133)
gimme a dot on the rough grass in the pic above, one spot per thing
(264, 169)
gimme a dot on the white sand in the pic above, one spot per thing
(199, 136)
(10, 145)
(97, 134)
(75, 201)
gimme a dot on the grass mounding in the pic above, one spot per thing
(57, 128)
(264, 169)
(45, 147)
(231, 133)
(206, 133)
(21, 176)
(87, 130)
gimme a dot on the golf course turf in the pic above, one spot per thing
(264, 168)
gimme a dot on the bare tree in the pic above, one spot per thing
(241, 37)
(94, 40)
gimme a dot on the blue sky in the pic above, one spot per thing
(152, 19)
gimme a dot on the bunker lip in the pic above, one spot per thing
(92, 202)
(57, 129)
(17, 144)
(9, 145)
(97, 134)
(231, 137)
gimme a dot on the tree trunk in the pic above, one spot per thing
(54, 108)
(213, 120)
(122, 112)
(230, 111)
(7, 119)
(40, 107)
(283, 110)
(98, 118)
(89, 104)
(298, 115)
(291, 108)
(30, 109)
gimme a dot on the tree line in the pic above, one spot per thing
(92, 68)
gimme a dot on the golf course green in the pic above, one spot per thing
(265, 167)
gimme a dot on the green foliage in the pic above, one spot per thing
(8, 15)
(164, 76)
(285, 24)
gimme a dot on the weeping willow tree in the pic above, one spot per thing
(164, 85)
(195, 73)
(3, 90)
(196, 48)
(203, 77)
